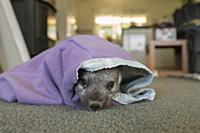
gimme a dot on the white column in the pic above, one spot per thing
(61, 16)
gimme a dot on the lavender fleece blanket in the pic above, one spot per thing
(49, 77)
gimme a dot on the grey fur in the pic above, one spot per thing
(96, 88)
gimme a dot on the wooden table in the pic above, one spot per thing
(181, 56)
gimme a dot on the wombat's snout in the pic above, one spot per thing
(95, 106)
(97, 101)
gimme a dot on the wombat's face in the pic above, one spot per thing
(96, 88)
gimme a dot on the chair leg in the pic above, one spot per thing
(151, 57)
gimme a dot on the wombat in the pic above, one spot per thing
(97, 88)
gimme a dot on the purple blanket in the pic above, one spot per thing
(49, 77)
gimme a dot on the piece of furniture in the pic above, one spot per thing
(191, 32)
(135, 40)
(186, 20)
(32, 16)
(181, 56)
(13, 50)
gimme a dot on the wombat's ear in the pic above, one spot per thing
(81, 72)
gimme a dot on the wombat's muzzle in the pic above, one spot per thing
(97, 105)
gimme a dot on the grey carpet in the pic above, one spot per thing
(176, 109)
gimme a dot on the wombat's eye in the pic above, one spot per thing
(110, 85)
(83, 83)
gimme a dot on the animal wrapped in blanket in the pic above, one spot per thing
(82, 71)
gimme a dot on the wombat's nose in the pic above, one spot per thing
(95, 106)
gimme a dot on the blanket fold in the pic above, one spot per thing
(49, 77)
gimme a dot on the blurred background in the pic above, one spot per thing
(132, 24)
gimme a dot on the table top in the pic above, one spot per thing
(168, 43)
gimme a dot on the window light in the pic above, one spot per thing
(110, 20)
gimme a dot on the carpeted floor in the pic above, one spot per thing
(175, 110)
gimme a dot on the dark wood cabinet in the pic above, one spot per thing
(32, 17)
